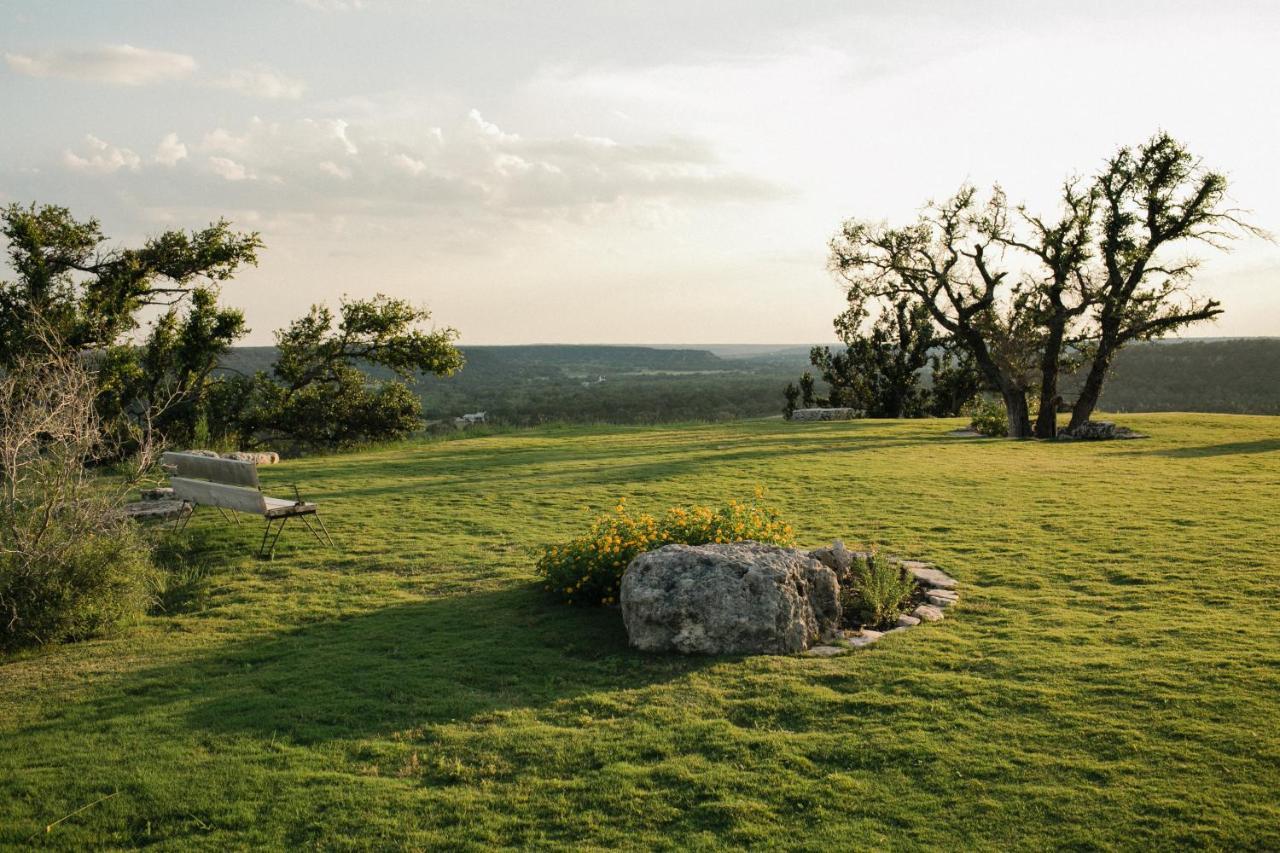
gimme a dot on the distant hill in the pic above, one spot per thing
(636, 384)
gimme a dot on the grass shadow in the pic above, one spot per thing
(1233, 448)
(445, 660)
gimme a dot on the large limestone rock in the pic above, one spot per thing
(831, 414)
(738, 598)
(257, 457)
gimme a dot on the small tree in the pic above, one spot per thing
(319, 393)
(941, 263)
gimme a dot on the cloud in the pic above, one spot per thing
(122, 64)
(229, 169)
(471, 171)
(170, 150)
(101, 158)
(260, 81)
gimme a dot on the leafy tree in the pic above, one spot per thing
(955, 381)
(931, 263)
(792, 395)
(89, 297)
(318, 393)
(1154, 198)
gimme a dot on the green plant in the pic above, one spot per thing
(876, 592)
(987, 416)
(588, 569)
(71, 564)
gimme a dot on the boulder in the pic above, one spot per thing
(212, 454)
(257, 457)
(161, 493)
(736, 598)
(832, 414)
(1099, 431)
(157, 510)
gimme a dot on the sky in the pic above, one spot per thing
(610, 171)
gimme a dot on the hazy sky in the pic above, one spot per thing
(610, 171)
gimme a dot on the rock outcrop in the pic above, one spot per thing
(835, 414)
(738, 598)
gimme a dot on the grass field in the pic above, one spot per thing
(1111, 679)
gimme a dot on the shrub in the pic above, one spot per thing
(876, 592)
(588, 569)
(987, 416)
(70, 564)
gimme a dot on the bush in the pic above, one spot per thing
(76, 587)
(987, 416)
(70, 564)
(876, 592)
(588, 569)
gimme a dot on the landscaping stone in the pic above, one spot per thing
(865, 638)
(833, 414)
(1099, 431)
(155, 510)
(927, 613)
(163, 493)
(905, 621)
(738, 598)
(928, 576)
(262, 457)
(939, 598)
(835, 557)
(825, 651)
(212, 454)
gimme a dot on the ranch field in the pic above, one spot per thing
(1110, 679)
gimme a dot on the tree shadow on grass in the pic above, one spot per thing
(1262, 445)
(406, 666)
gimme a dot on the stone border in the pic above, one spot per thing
(939, 591)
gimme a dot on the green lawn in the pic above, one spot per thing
(1110, 679)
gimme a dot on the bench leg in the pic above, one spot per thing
(263, 550)
(180, 523)
(320, 521)
(316, 533)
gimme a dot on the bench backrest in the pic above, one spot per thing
(193, 466)
(206, 493)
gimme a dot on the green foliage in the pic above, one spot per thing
(318, 393)
(880, 371)
(91, 299)
(792, 395)
(987, 416)
(588, 569)
(71, 565)
(90, 296)
(78, 585)
(875, 592)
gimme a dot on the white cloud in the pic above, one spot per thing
(170, 150)
(261, 81)
(101, 158)
(121, 64)
(409, 164)
(229, 169)
(331, 168)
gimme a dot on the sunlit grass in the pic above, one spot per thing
(1112, 678)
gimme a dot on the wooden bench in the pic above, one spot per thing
(227, 484)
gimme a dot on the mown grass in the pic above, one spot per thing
(1111, 679)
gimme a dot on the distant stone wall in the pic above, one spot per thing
(826, 414)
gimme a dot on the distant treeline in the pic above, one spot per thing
(524, 385)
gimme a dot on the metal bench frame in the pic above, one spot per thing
(227, 484)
